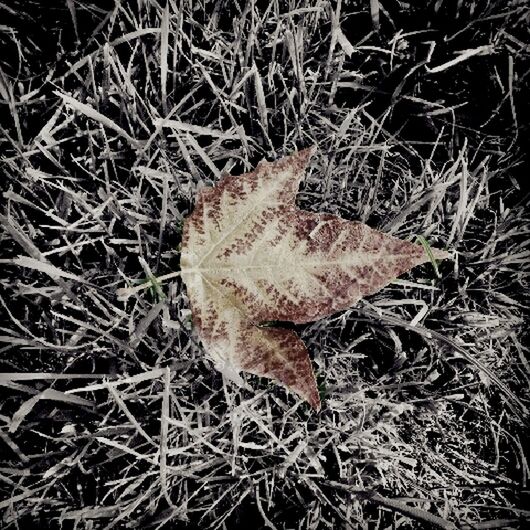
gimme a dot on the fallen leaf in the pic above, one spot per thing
(250, 256)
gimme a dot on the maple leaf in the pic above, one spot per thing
(250, 256)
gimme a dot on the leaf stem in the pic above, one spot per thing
(124, 292)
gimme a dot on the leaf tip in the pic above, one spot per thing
(305, 154)
(440, 254)
(315, 402)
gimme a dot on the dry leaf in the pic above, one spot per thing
(249, 255)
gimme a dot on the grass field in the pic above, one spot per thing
(114, 114)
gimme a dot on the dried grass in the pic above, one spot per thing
(425, 385)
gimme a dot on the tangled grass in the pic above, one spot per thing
(110, 414)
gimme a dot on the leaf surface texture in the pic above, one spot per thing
(249, 256)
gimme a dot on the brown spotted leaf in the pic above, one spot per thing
(249, 255)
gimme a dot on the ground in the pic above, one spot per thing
(113, 115)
